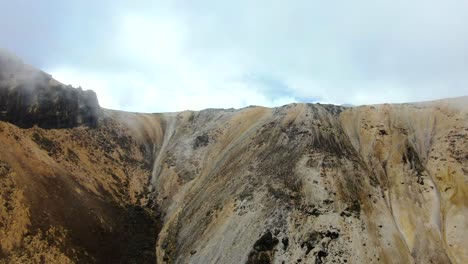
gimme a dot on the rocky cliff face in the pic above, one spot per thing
(302, 183)
(30, 97)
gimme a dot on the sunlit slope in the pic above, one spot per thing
(366, 184)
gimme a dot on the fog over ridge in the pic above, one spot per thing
(177, 55)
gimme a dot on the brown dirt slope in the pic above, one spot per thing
(74, 196)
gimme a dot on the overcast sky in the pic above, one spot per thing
(153, 56)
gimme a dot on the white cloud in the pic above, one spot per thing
(181, 55)
(93, 82)
(171, 80)
(130, 93)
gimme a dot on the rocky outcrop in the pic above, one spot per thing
(30, 97)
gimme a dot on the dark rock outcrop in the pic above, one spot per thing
(262, 249)
(31, 97)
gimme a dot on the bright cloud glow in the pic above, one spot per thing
(153, 56)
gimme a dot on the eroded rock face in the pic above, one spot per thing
(316, 183)
(30, 97)
(302, 183)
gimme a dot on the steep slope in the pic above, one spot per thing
(74, 195)
(314, 183)
(302, 183)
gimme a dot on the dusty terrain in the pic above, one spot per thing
(302, 183)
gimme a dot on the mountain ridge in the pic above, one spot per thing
(300, 183)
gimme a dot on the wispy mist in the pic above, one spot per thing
(176, 55)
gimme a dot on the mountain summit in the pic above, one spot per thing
(301, 183)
